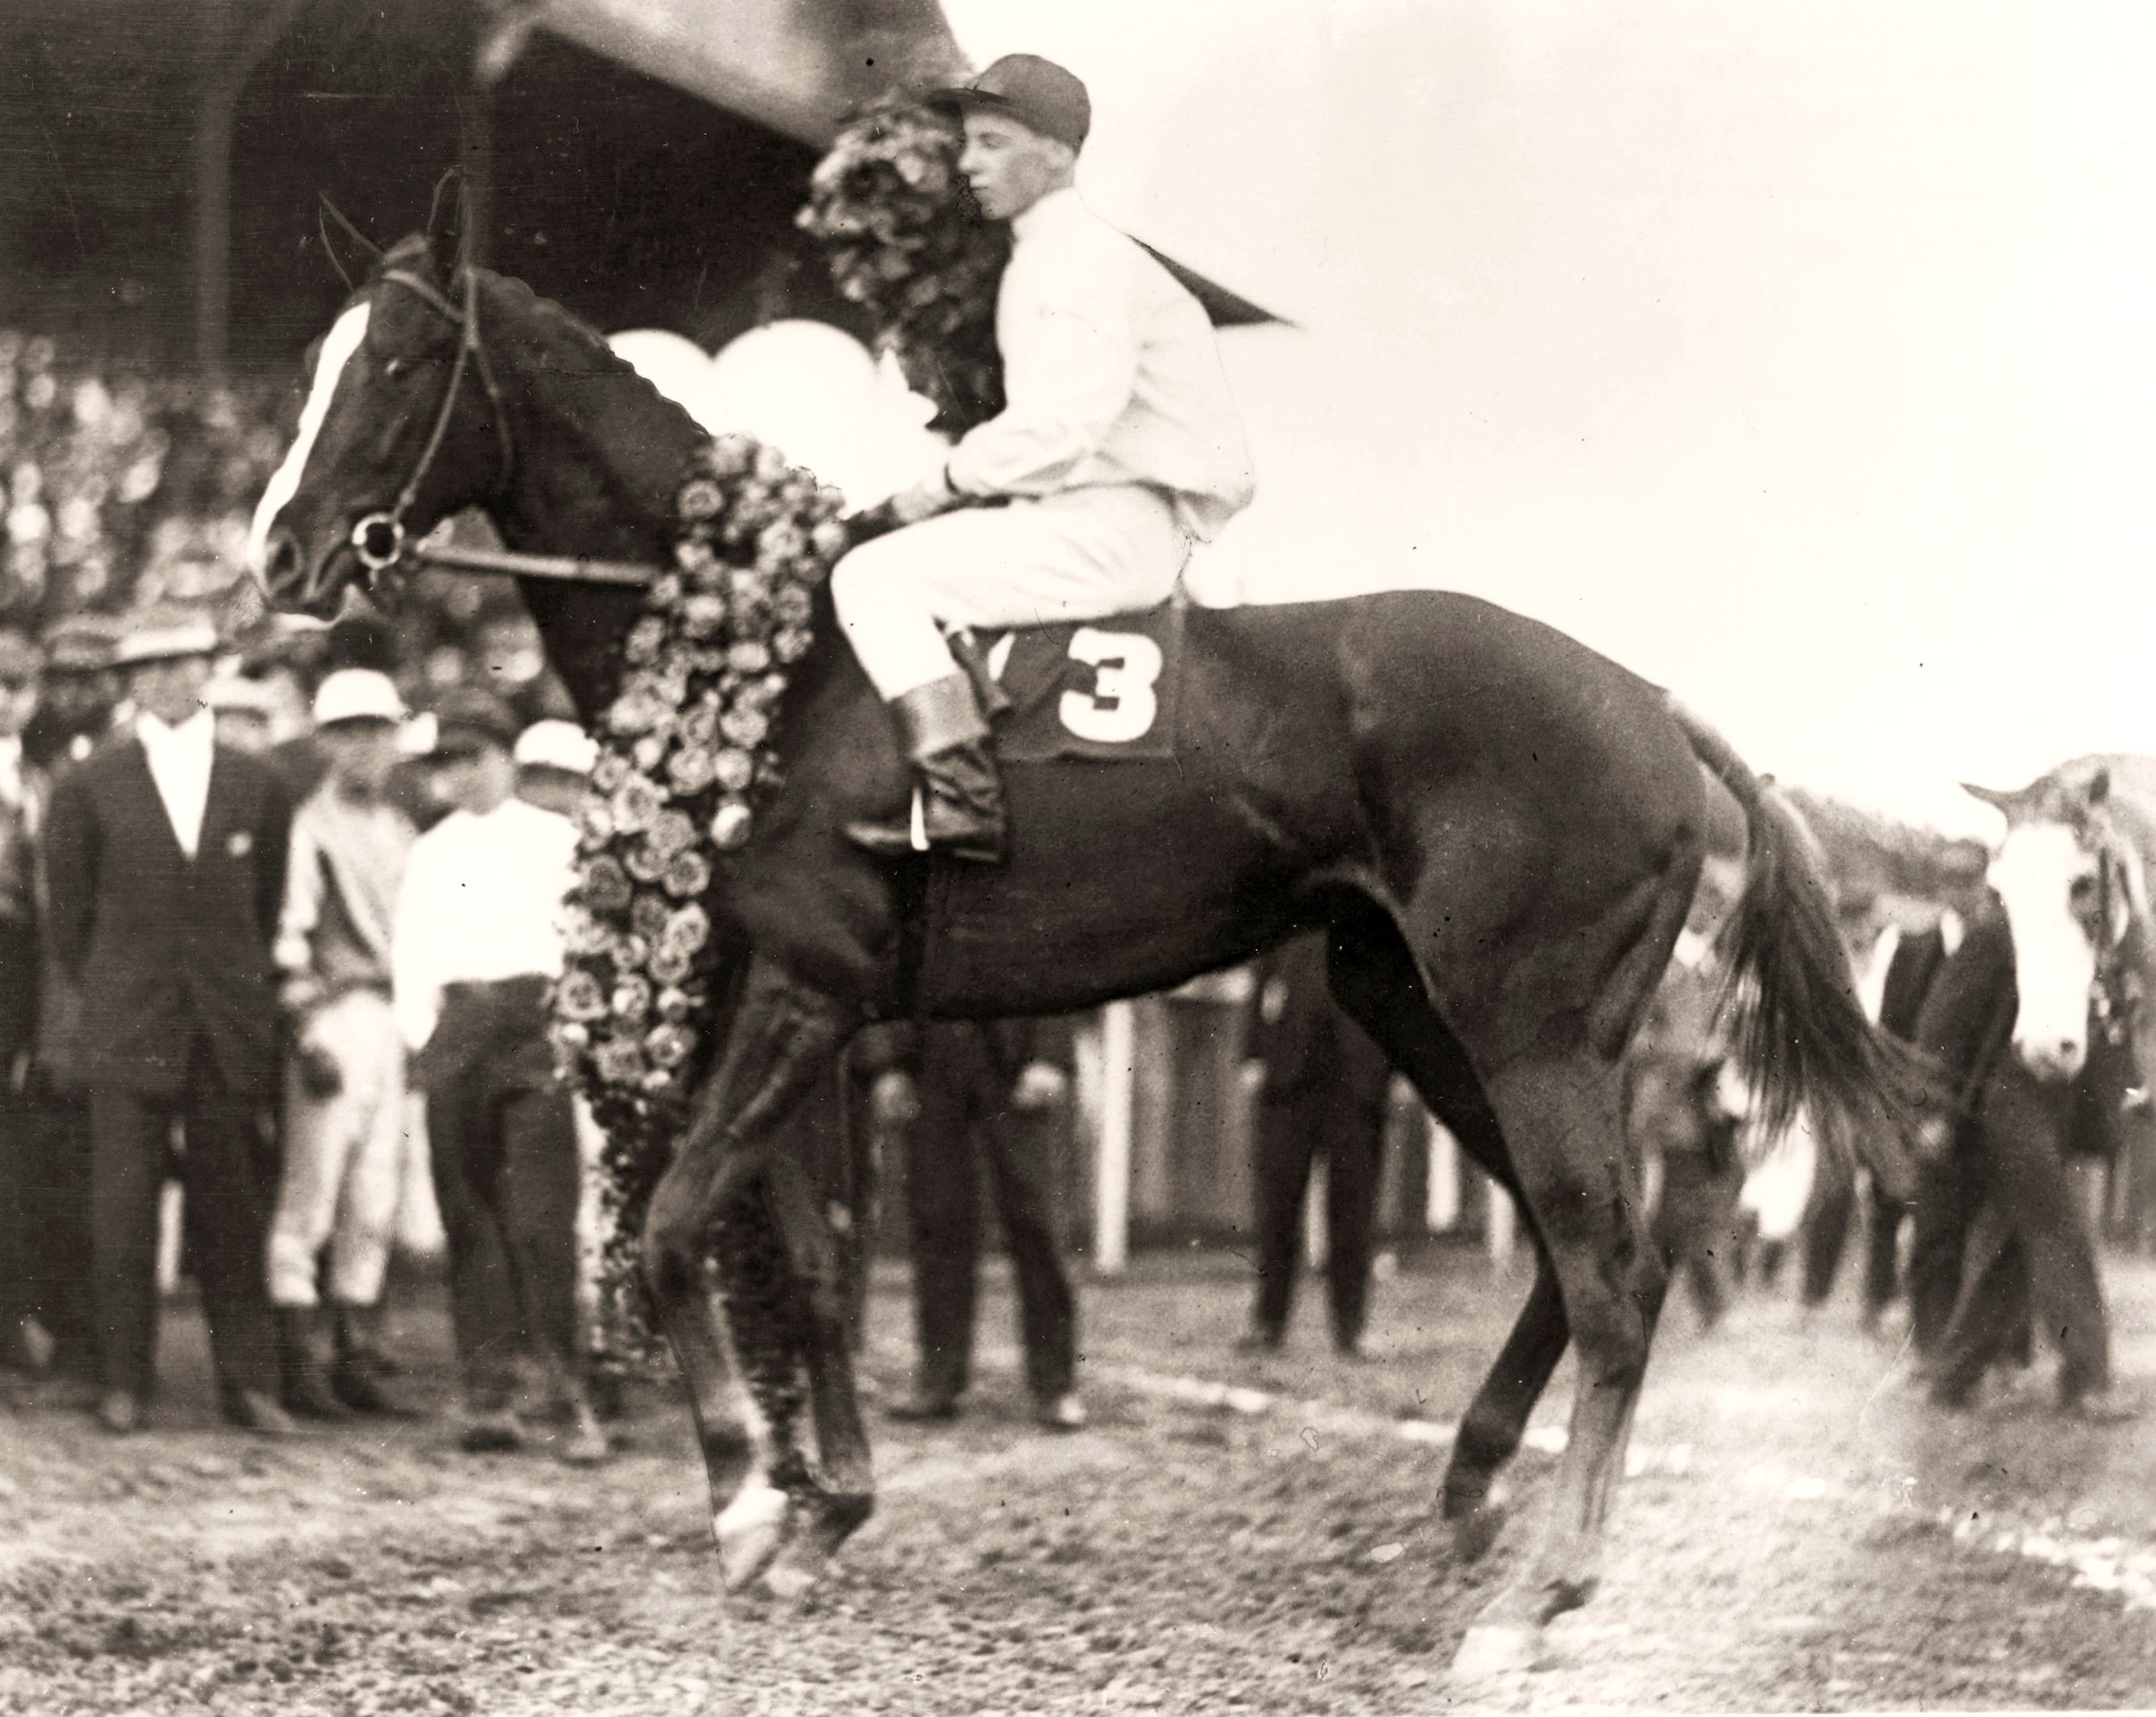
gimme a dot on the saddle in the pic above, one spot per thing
(1104, 691)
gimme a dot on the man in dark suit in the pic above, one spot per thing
(1323, 1091)
(963, 1092)
(165, 853)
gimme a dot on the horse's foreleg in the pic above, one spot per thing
(1561, 1114)
(846, 1493)
(714, 1201)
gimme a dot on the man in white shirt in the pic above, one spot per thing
(477, 943)
(1118, 446)
(165, 867)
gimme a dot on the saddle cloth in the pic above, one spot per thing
(1107, 690)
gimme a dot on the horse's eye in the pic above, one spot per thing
(2082, 891)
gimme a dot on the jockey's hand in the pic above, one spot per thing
(924, 500)
(1042, 1085)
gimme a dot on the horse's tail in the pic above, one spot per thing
(1800, 1033)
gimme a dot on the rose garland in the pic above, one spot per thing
(905, 240)
(684, 759)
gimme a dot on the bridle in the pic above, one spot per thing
(377, 538)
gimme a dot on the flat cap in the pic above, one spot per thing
(1037, 93)
(163, 636)
(356, 695)
(466, 711)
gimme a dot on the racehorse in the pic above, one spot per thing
(1500, 830)
(2028, 1019)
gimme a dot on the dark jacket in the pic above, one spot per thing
(1310, 1045)
(164, 949)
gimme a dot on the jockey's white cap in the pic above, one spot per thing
(357, 695)
(556, 744)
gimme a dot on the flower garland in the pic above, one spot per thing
(685, 758)
(905, 240)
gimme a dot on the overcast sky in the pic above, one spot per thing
(1797, 356)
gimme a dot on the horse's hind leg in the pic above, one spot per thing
(1561, 1111)
(1375, 981)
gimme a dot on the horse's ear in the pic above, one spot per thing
(2011, 804)
(2099, 789)
(351, 252)
(445, 222)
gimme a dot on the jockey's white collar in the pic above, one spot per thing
(1044, 209)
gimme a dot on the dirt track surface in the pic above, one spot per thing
(1798, 1536)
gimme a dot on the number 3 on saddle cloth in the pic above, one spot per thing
(1091, 744)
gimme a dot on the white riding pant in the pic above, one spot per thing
(1083, 555)
(343, 1160)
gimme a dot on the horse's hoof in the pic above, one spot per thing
(1474, 1532)
(749, 1529)
(789, 1578)
(1495, 1648)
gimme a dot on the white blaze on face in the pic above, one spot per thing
(2034, 873)
(337, 346)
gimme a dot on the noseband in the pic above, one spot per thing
(377, 538)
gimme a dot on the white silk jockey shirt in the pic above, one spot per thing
(1111, 375)
(482, 901)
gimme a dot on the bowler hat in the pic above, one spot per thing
(1037, 93)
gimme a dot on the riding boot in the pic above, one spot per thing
(359, 1376)
(941, 732)
(303, 1383)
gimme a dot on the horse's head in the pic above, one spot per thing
(2072, 889)
(403, 426)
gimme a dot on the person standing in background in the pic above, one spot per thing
(961, 1093)
(26, 1342)
(74, 715)
(165, 856)
(1323, 1091)
(345, 1080)
(476, 946)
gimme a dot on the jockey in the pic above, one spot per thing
(1118, 446)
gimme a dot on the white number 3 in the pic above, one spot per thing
(1121, 706)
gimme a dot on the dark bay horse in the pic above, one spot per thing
(1500, 830)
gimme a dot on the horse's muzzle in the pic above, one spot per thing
(295, 588)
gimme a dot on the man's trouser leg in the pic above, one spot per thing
(1985, 1310)
(57, 1235)
(1287, 1143)
(465, 1154)
(1882, 1235)
(18, 1153)
(1949, 1193)
(943, 1214)
(537, 1191)
(129, 1134)
(1354, 1153)
(1825, 1228)
(372, 1186)
(228, 1219)
(1023, 1150)
(2037, 1190)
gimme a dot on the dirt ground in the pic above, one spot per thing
(1228, 1535)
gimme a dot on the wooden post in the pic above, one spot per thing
(1112, 1176)
(1504, 1224)
(1442, 1205)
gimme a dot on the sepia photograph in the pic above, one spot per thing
(973, 857)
